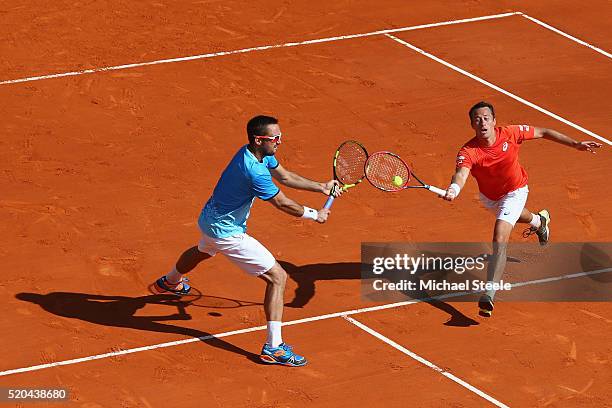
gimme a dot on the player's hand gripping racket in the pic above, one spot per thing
(349, 162)
(388, 172)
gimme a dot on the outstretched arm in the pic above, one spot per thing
(457, 183)
(294, 180)
(549, 134)
(285, 204)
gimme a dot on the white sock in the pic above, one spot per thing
(275, 337)
(173, 277)
(535, 222)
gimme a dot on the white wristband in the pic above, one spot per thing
(310, 213)
(456, 188)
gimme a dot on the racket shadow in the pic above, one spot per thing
(306, 277)
(196, 298)
(119, 311)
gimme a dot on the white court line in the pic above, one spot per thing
(426, 362)
(558, 278)
(497, 88)
(290, 323)
(128, 351)
(260, 48)
(556, 30)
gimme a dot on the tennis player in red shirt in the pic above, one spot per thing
(492, 158)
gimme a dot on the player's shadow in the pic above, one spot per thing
(307, 275)
(119, 311)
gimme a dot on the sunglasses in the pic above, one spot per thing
(275, 139)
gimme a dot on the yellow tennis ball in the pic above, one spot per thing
(398, 181)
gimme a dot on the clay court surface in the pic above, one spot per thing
(104, 174)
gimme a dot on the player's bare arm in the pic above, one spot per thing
(285, 204)
(457, 183)
(294, 180)
(549, 134)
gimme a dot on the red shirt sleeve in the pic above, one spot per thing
(464, 159)
(522, 132)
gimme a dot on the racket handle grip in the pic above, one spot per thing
(437, 190)
(329, 202)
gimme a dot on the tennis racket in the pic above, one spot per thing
(388, 172)
(349, 162)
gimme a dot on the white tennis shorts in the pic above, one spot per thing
(243, 250)
(509, 207)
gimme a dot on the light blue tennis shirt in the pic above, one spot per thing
(226, 212)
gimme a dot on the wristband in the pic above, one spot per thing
(456, 188)
(310, 213)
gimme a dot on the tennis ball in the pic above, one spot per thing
(398, 181)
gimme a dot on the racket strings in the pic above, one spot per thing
(383, 168)
(350, 162)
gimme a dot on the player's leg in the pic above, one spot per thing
(255, 259)
(539, 224)
(496, 265)
(174, 281)
(275, 279)
(185, 264)
(526, 217)
(509, 209)
(275, 351)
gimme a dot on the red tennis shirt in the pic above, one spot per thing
(496, 168)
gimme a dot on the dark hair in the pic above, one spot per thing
(482, 104)
(257, 126)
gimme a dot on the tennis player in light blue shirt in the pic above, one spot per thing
(245, 178)
(223, 225)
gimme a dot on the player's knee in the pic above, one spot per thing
(277, 275)
(282, 277)
(500, 238)
(500, 245)
(502, 231)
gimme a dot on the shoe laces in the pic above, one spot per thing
(286, 347)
